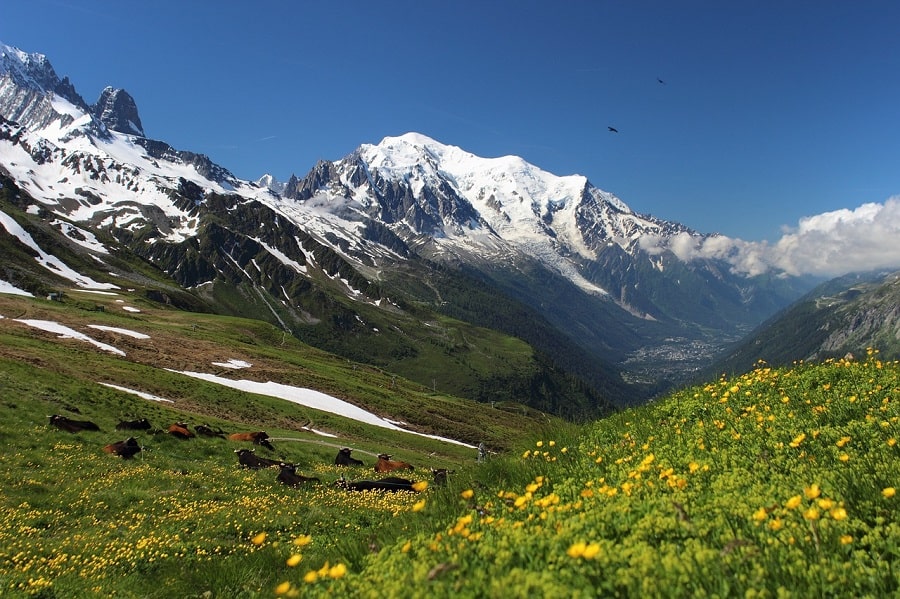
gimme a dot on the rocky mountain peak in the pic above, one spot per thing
(118, 111)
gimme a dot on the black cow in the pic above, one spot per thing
(248, 459)
(206, 431)
(390, 483)
(343, 458)
(72, 426)
(440, 475)
(141, 424)
(288, 476)
(124, 449)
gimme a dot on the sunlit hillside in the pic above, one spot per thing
(777, 483)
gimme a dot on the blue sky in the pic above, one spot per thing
(770, 111)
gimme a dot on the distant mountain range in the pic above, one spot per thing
(400, 253)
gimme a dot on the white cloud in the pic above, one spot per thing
(827, 244)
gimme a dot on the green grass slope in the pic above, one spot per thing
(779, 482)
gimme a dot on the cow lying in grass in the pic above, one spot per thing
(343, 458)
(390, 483)
(288, 476)
(386, 464)
(257, 438)
(72, 426)
(124, 449)
(248, 459)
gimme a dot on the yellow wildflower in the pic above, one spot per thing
(420, 485)
(418, 506)
(294, 560)
(311, 576)
(889, 492)
(798, 440)
(283, 588)
(467, 494)
(406, 547)
(825, 503)
(259, 539)
(337, 571)
(577, 549)
(838, 513)
(811, 514)
(591, 551)
(842, 441)
(776, 524)
(846, 539)
(812, 491)
(760, 514)
(793, 502)
(303, 540)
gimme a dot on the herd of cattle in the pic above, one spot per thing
(247, 458)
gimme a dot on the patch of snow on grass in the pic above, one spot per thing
(140, 394)
(134, 334)
(67, 333)
(312, 399)
(236, 364)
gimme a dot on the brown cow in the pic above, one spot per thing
(258, 438)
(124, 449)
(180, 430)
(386, 464)
(72, 426)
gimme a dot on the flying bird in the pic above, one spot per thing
(613, 129)
(660, 80)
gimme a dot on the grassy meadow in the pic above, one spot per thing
(775, 483)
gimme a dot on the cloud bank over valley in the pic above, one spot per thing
(828, 244)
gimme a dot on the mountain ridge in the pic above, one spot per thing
(371, 228)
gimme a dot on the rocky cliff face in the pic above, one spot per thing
(117, 110)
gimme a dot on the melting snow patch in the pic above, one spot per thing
(312, 399)
(138, 393)
(12, 289)
(236, 364)
(134, 334)
(322, 433)
(130, 309)
(67, 333)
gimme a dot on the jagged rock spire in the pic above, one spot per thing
(117, 110)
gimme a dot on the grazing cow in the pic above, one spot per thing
(390, 483)
(288, 476)
(141, 424)
(124, 449)
(386, 464)
(343, 458)
(258, 438)
(248, 459)
(72, 426)
(206, 431)
(180, 430)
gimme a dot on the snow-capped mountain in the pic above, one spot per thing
(393, 222)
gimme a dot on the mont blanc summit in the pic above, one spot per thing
(355, 250)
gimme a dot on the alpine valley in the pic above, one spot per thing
(485, 278)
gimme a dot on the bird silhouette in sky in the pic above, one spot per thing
(613, 129)
(660, 80)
